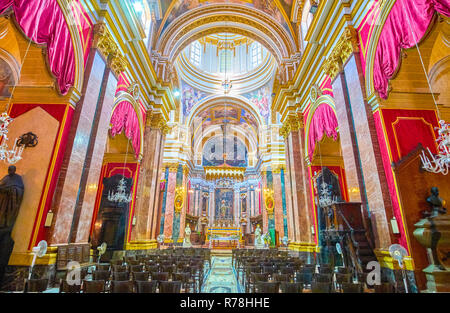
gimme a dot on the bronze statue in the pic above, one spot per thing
(11, 195)
(436, 204)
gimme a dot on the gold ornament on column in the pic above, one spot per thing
(179, 199)
(269, 201)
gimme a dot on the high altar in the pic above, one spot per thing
(224, 235)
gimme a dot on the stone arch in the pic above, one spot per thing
(232, 18)
(325, 99)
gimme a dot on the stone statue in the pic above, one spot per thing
(11, 195)
(187, 237)
(436, 204)
(259, 243)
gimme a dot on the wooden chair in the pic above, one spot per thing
(93, 286)
(116, 262)
(265, 287)
(102, 267)
(341, 279)
(136, 268)
(152, 268)
(255, 278)
(287, 287)
(320, 287)
(186, 280)
(146, 286)
(140, 276)
(36, 285)
(160, 276)
(121, 276)
(133, 262)
(120, 268)
(281, 277)
(352, 288)
(323, 278)
(121, 286)
(170, 287)
(64, 287)
(101, 275)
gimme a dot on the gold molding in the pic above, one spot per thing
(303, 247)
(293, 123)
(141, 245)
(25, 259)
(346, 46)
(105, 43)
(386, 261)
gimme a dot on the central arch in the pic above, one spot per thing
(226, 18)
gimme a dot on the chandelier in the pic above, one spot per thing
(325, 198)
(120, 195)
(439, 163)
(13, 155)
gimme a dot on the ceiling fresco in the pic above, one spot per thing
(280, 10)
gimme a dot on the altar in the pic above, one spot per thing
(224, 237)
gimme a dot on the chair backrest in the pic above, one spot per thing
(287, 287)
(102, 267)
(170, 287)
(140, 276)
(268, 269)
(93, 286)
(319, 287)
(160, 276)
(101, 275)
(183, 277)
(122, 286)
(136, 268)
(325, 270)
(287, 270)
(323, 278)
(352, 288)
(343, 278)
(146, 286)
(265, 287)
(133, 262)
(152, 268)
(116, 262)
(64, 287)
(281, 277)
(121, 276)
(120, 268)
(257, 277)
(36, 285)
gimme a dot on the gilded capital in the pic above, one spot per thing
(293, 123)
(346, 46)
(106, 45)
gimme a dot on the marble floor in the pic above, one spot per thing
(221, 277)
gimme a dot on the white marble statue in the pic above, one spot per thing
(187, 237)
(259, 242)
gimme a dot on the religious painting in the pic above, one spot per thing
(261, 100)
(248, 119)
(229, 113)
(235, 150)
(224, 203)
(190, 97)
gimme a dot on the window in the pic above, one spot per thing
(225, 61)
(256, 54)
(196, 53)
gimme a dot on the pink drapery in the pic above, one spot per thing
(44, 23)
(405, 26)
(323, 122)
(124, 118)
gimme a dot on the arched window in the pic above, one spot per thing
(256, 54)
(196, 53)
(225, 61)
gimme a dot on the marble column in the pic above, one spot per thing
(147, 199)
(73, 202)
(185, 184)
(299, 184)
(237, 206)
(278, 202)
(171, 184)
(211, 206)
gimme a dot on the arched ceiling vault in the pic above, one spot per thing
(226, 18)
